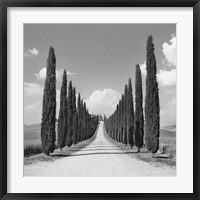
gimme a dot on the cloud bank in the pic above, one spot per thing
(103, 102)
(169, 51)
(167, 78)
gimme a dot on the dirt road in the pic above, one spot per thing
(100, 158)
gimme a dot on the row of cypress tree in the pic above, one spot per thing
(75, 124)
(125, 125)
(119, 125)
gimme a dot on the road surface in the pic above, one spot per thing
(101, 158)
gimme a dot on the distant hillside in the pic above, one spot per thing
(169, 128)
(32, 133)
(167, 134)
(32, 125)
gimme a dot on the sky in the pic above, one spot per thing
(99, 59)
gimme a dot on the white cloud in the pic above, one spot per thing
(41, 75)
(143, 69)
(31, 53)
(169, 51)
(103, 102)
(167, 78)
(34, 51)
(164, 77)
(71, 73)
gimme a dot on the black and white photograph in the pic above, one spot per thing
(99, 100)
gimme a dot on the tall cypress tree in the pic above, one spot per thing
(69, 138)
(152, 108)
(139, 118)
(48, 135)
(130, 114)
(122, 119)
(79, 118)
(116, 123)
(62, 119)
(119, 121)
(87, 124)
(82, 120)
(125, 115)
(74, 115)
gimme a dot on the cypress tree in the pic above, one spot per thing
(69, 138)
(152, 108)
(125, 115)
(79, 118)
(74, 115)
(116, 123)
(122, 119)
(113, 126)
(119, 121)
(77, 134)
(82, 120)
(87, 124)
(130, 114)
(139, 118)
(62, 119)
(48, 135)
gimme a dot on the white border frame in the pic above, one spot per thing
(183, 183)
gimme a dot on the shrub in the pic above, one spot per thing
(31, 149)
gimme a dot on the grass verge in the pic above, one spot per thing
(165, 156)
(32, 149)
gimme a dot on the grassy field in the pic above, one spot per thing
(167, 142)
(32, 134)
(32, 140)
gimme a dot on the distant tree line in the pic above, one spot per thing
(75, 123)
(126, 125)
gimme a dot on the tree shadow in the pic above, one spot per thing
(91, 154)
(93, 149)
(73, 149)
(162, 157)
(96, 146)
